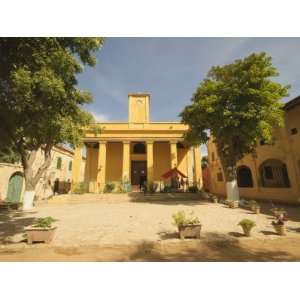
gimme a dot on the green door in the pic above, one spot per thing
(15, 188)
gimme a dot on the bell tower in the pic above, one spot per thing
(138, 108)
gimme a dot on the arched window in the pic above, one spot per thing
(244, 177)
(139, 148)
(58, 163)
(273, 173)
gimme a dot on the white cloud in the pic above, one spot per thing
(100, 116)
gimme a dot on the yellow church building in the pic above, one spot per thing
(135, 150)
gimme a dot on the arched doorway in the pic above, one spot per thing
(244, 177)
(15, 186)
(273, 173)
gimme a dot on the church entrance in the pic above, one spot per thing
(138, 171)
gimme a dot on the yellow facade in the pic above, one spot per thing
(274, 170)
(125, 151)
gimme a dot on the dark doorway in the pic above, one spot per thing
(138, 172)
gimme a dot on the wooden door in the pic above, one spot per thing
(138, 172)
(15, 188)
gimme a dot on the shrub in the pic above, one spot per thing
(44, 222)
(181, 219)
(167, 189)
(151, 187)
(109, 187)
(193, 189)
(79, 188)
(247, 223)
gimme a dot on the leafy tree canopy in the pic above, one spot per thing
(237, 104)
(40, 103)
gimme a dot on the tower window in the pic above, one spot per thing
(294, 131)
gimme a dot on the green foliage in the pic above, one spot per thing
(167, 189)
(109, 187)
(8, 155)
(44, 222)
(247, 223)
(193, 189)
(204, 161)
(152, 187)
(40, 103)
(79, 188)
(238, 104)
(181, 218)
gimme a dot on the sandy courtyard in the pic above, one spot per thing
(115, 220)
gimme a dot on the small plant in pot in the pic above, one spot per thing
(233, 204)
(42, 230)
(188, 226)
(214, 199)
(256, 209)
(279, 211)
(279, 224)
(253, 205)
(247, 226)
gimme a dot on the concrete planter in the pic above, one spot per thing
(233, 204)
(39, 234)
(190, 231)
(256, 210)
(247, 230)
(280, 229)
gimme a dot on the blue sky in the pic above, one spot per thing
(170, 70)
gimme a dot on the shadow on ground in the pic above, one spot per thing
(12, 224)
(213, 247)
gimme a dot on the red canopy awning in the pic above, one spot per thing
(172, 172)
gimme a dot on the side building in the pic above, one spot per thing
(273, 173)
(12, 183)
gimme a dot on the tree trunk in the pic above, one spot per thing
(229, 169)
(32, 179)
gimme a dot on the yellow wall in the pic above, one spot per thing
(114, 161)
(161, 163)
(182, 160)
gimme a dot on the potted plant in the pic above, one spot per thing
(41, 230)
(188, 226)
(253, 205)
(233, 204)
(279, 225)
(279, 211)
(256, 209)
(214, 199)
(247, 225)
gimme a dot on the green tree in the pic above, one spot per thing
(40, 103)
(237, 105)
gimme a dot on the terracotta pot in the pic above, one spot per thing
(280, 229)
(247, 230)
(39, 234)
(190, 231)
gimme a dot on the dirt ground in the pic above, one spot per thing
(123, 228)
(212, 250)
